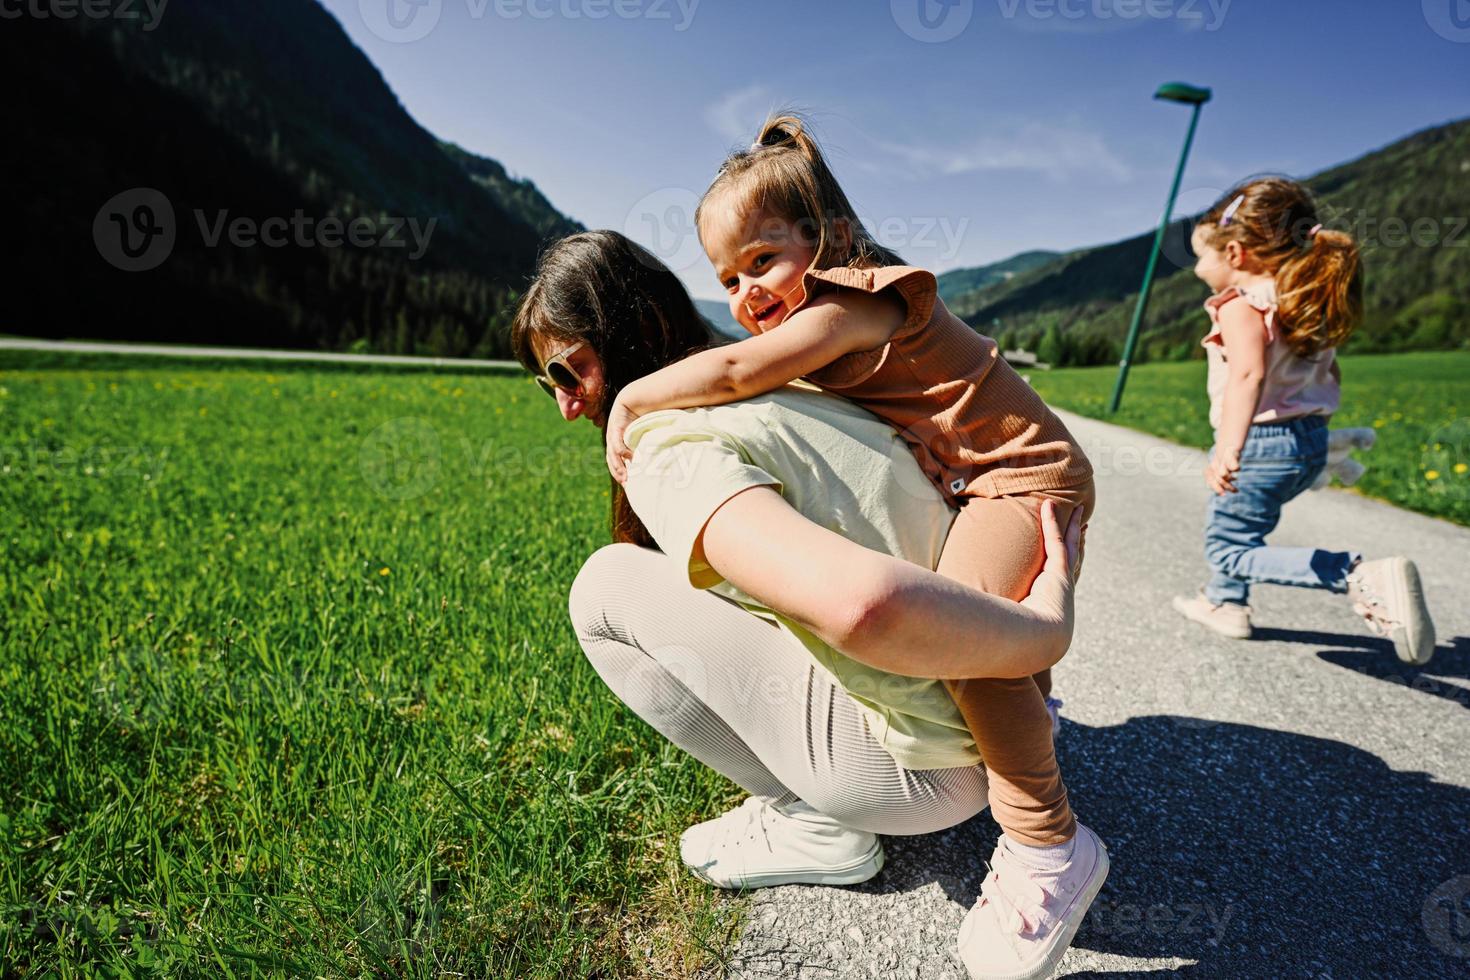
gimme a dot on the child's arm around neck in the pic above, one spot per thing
(817, 334)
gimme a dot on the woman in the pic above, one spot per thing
(805, 528)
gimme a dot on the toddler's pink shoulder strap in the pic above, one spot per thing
(1215, 303)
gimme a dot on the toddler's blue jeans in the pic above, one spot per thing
(1279, 461)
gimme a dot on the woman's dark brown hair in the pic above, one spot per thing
(1319, 273)
(602, 289)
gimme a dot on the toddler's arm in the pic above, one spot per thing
(811, 338)
(1243, 331)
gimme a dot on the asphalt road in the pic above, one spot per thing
(1291, 806)
(247, 353)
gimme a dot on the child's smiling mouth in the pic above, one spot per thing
(768, 313)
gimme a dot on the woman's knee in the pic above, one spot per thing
(600, 590)
(941, 799)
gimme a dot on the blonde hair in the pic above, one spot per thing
(1318, 273)
(784, 173)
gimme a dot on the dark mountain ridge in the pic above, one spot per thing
(232, 115)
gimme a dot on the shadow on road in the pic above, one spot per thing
(1451, 659)
(1248, 851)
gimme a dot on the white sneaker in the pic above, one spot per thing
(1228, 618)
(1025, 919)
(757, 845)
(1387, 594)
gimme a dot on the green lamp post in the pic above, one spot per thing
(1191, 96)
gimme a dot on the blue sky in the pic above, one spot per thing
(963, 130)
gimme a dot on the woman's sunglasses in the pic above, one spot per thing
(560, 374)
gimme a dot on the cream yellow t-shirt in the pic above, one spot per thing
(840, 467)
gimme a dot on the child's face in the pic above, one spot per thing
(1213, 265)
(760, 260)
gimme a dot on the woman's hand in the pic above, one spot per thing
(1221, 470)
(619, 417)
(1051, 592)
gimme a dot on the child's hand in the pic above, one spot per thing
(619, 417)
(1220, 473)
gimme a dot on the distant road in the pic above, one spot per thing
(247, 353)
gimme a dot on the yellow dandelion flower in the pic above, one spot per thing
(383, 570)
(1461, 467)
(1379, 423)
(1431, 475)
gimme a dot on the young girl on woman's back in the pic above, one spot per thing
(1286, 293)
(827, 303)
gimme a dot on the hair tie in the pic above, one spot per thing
(1313, 232)
(1230, 211)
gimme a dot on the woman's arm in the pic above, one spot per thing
(1243, 332)
(811, 338)
(883, 611)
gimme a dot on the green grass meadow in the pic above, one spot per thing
(289, 688)
(1418, 403)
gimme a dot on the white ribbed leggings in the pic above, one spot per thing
(744, 698)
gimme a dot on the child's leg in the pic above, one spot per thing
(995, 546)
(1278, 463)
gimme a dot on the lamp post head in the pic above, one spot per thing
(1180, 92)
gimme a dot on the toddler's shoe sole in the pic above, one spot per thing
(1414, 641)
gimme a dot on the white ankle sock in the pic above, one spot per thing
(1047, 858)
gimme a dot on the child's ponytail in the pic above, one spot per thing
(1320, 293)
(789, 131)
(1318, 273)
(784, 173)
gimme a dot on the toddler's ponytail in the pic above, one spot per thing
(784, 173)
(789, 131)
(1320, 293)
(1318, 273)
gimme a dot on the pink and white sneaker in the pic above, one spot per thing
(1054, 708)
(1025, 918)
